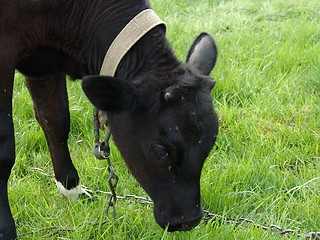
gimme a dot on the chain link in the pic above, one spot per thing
(113, 181)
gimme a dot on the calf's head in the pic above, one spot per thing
(164, 125)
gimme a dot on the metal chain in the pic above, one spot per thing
(113, 181)
(102, 152)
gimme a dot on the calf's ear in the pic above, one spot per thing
(203, 53)
(109, 93)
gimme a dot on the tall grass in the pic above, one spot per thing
(265, 165)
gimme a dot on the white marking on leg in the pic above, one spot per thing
(73, 193)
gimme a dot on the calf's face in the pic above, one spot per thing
(165, 127)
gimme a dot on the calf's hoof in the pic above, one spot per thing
(75, 192)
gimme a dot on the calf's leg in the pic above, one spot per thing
(7, 149)
(50, 100)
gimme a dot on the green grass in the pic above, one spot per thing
(265, 165)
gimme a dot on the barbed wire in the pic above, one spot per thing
(244, 222)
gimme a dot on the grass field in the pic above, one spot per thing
(265, 165)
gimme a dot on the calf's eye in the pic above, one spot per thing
(160, 151)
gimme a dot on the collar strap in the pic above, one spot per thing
(129, 35)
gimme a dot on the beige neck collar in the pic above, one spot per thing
(129, 35)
